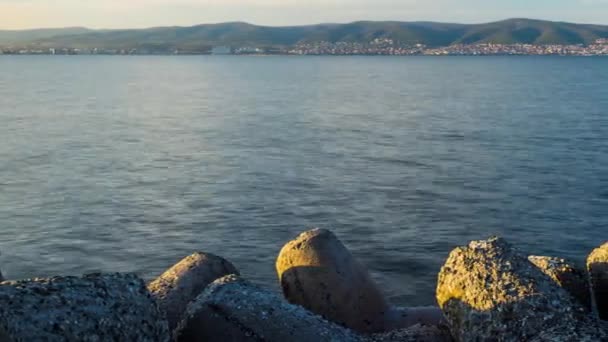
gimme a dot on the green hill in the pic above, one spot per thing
(533, 32)
(242, 34)
(11, 37)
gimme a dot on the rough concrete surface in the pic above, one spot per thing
(232, 309)
(318, 272)
(490, 291)
(183, 282)
(97, 307)
(567, 275)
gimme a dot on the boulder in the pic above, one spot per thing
(183, 282)
(317, 272)
(597, 265)
(567, 275)
(416, 333)
(110, 307)
(489, 291)
(232, 309)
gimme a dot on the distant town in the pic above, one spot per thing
(389, 47)
(380, 46)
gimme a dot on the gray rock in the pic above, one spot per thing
(232, 309)
(318, 272)
(579, 334)
(416, 333)
(597, 265)
(489, 291)
(183, 282)
(111, 307)
(567, 275)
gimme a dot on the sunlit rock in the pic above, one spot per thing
(567, 275)
(489, 291)
(111, 307)
(183, 282)
(232, 309)
(317, 272)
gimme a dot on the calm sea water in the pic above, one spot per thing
(130, 163)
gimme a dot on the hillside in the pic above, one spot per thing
(242, 34)
(11, 37)
(529, 31)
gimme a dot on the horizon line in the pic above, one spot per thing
(301, 25)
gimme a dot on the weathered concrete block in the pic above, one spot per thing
(567, 275)
(317, 272)
(416, 333)
(110, 307)
(183, 282)
(489, 291)
(558, 335)
(597, 265)
(232, 309)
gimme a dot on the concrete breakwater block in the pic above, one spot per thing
(232, 309)
(317, 272)
(489, 291)
(597, 265)
(98, 307)
(567, 275)
(183, 282)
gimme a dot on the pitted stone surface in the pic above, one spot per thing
(567, 275)
(108, 307)
(232, 309)
(489, 291)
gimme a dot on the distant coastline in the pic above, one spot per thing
(385, 48)
(507, 37)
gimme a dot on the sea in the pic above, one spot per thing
(129, 163)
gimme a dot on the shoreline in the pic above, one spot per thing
(308, 55)
(485, 290)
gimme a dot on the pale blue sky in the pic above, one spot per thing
(19, 14)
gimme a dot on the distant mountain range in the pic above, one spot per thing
(239, 34)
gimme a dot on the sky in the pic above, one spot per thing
(24, 14)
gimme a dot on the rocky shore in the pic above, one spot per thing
(486, 291)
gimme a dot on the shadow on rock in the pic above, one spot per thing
(567, 275)
(599, 285)
(318, 272)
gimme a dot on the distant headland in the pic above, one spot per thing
(507, 37)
